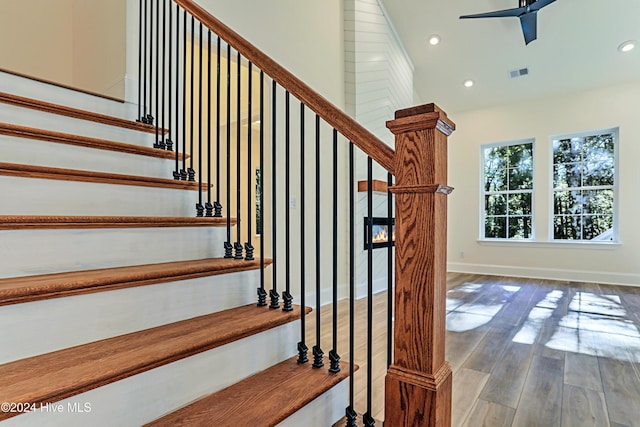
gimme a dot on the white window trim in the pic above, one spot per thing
(615, 131)
(482, 215)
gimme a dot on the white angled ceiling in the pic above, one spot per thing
(576, 49)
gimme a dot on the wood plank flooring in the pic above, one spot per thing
(525, 352)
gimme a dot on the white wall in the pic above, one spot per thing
(36, 39)
(99, 46)
(379, 81)
(595, 109)
(77, 43)
(303, 36)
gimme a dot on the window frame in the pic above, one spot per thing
(615, 132)
(484, 193)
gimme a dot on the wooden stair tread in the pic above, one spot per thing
(84, 141)
(45, 172)
(264, 399)
(15, 222)
(63, 110)
(55, 376)
(17, 290)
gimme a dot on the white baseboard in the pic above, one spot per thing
(591, 276)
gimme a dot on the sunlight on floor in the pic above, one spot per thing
(596, 325)
(470, 306)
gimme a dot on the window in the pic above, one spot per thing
(507, 190)
(584, 186)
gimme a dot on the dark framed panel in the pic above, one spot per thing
(380, 232)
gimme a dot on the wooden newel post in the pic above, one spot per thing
(418, 383)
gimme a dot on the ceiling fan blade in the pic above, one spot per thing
(529, 23)
(498, 13)
(540, 4)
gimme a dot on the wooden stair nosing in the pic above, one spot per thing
(17, 290)
(32, 222)
(61, 374)
(84, 141)
(264, 399)
(45, 172)
(76, 113)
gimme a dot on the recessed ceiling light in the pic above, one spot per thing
(468, 83)
(627, 46)
(434, 40)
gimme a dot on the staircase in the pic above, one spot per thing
(116, 306)
(119, 308)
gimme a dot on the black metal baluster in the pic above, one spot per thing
(217, 206)
(273, 293)
(157, 99)
(367, 417)
(176, 173)
(140, 13)
(199, 205)
(238, 245)
(317, 349)
(350, 413)
(334, 358)
(209, 206)
(262, 293)
(162, 142)
(228, 247)
(151, 62)
(191, 171)
(248, 246)
(302, 346)
(160, 105)
(148, 102)
(143, 118)
(287, 299)
(183, 171)
(390, 233)
(168, 141)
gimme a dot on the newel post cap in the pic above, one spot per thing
(427, 116)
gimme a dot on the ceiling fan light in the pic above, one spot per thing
(627, 46)
(468, 83)
(434, 39)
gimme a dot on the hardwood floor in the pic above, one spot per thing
(524, 352)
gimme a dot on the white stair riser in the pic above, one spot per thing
(325, 410)
(145, 397)
(34, 196)
(43, 153)
(50, 325)
(50, 93)
(30, 252)
(58, 123)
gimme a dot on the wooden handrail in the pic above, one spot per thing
(334, 116)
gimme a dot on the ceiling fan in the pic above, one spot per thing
(527, 12)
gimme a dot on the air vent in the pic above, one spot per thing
(519, 72)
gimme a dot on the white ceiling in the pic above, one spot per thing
(576, 49)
